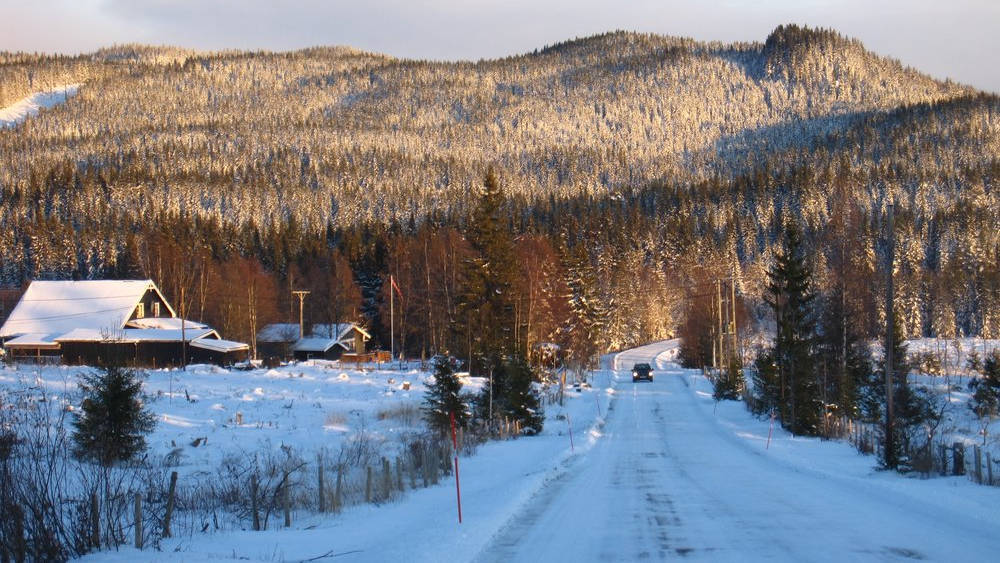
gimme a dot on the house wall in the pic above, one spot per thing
(34, 355)
(333, 353)
(148, 300)
(273, 350)
(141, 354)
(203, 356)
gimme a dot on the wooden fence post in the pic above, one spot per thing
(338, 491)
(989, 469)
(20, 545)
(399, 474)
(319, 475)
(978, 456)
(170, 504)
(253, 502)
(958, 457)
(95, 521)
(138, 521)
(368, 485)
(411, 466)
(286, 500)
(425, 462)
(386, 480)
(943, 452)
(435, 464)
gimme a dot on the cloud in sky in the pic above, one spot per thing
(954, 39)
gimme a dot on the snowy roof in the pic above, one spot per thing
(316, 345)
(219, 345)
(57, 307)
(135, 335)
(278, 332)
(170, 323)
(289, 332)
(33, 341)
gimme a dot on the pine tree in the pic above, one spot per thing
(847, 362)
(522, 403)
(791, 298)
(985, 400)
(510, 395)
(113, 423)
(913, 409)
(766, 383)
(485, 317)
(443, 398)
(729, 385)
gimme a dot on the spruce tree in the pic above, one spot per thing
(791, 298)
(443, 398)
(847, 362)
(766, 383)
(113, 423)
(985, 400)
(509, 394)
(729, 385)
(485, 318)
(522, 403)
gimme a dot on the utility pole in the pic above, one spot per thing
(890, 322)
(715, 337)
(722, 337)
(302, 300)
(183, 335)
(732, 317)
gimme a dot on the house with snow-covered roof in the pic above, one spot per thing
(323, 341)
(96, 321)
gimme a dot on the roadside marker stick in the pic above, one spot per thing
(570, 423)
(597, 397)
(458, 488)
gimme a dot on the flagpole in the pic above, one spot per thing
(392, 322)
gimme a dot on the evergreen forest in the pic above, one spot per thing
(589, 193)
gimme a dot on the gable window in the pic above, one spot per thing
(156, 308)
(140, 310)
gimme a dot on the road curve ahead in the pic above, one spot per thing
(667, 481)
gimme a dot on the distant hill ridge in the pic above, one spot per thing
(334, 137)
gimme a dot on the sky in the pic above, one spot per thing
(954, 39)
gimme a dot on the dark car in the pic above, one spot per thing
(642, 371)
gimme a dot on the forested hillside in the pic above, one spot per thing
(635, 168)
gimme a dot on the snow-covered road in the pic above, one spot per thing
(662, 472)
(669, 480)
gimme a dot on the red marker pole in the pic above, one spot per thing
(458, 488)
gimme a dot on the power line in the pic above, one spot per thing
(68, 315)
(44, 299)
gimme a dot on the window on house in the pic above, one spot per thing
(156, 309)
(140, 310)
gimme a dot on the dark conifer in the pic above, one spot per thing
(113, 423)
(485, 318)
(791, 298)
(986, 389)
(443, 398)
(522, 403)
(846, 358)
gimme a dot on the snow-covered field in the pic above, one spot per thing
(654, 470)
(206, 413)
(17, 112)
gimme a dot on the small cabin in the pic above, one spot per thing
(100, 321)
(323, 341)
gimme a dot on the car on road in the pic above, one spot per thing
(642, 371)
